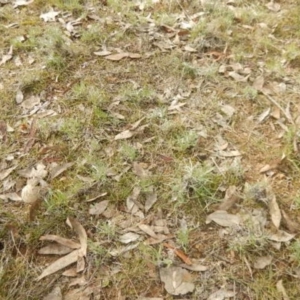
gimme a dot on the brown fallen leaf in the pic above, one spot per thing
(281, 289)
(223, 218)
(124, 135)
(73, 223)
(281, 236)
(237, 77)
(119, 56)
(65, 242)
(291, 225)
(55, 249)
(60, 264)
(57, 170)
(151, 199)
(98, 208)
(275, 212)
(262, 262)
(148, 230)
(5, 173)
(177, 280)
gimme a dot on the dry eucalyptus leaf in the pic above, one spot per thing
(291, 225)
(102, 53)
(19, 97)
(98, 208)
(281, 236)
(223, 218)
(261, 118)
(132, 200)
(237, 77)
(262, 262)
(259, 83)
(60, 264)
(139, 171)
(117, 57)
(177, 280)
(195, 266)
(151, 199)
(281, 289)
(57, 170)
(124, 135)
(148, 230)
(11, 196)
(275, 212)
(58, 239)
(129, 237)
(123, 250)
(221, 294)
(73, 223)
(5, 173)
(56, 249)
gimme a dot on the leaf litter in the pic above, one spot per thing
(143, 213)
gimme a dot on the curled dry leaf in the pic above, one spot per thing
(19, 97)
(56, 249)
(291, 225)
(57, 170)
(5, 173)
(237, 77)
(132, 203)
(275, 212)
(177, 280)
(263, 262)
(280, 236)
(124, 135)
(119, 56)
(139, 170)
(122, 250)
(281, 289)
(98, 208)
(129, 237)
(148, 230)
(73, 223)
(151, 198)
(60, 240)
(195, 266)
(223, 218)
(221, 294)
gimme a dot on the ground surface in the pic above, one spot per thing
(165, 133)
